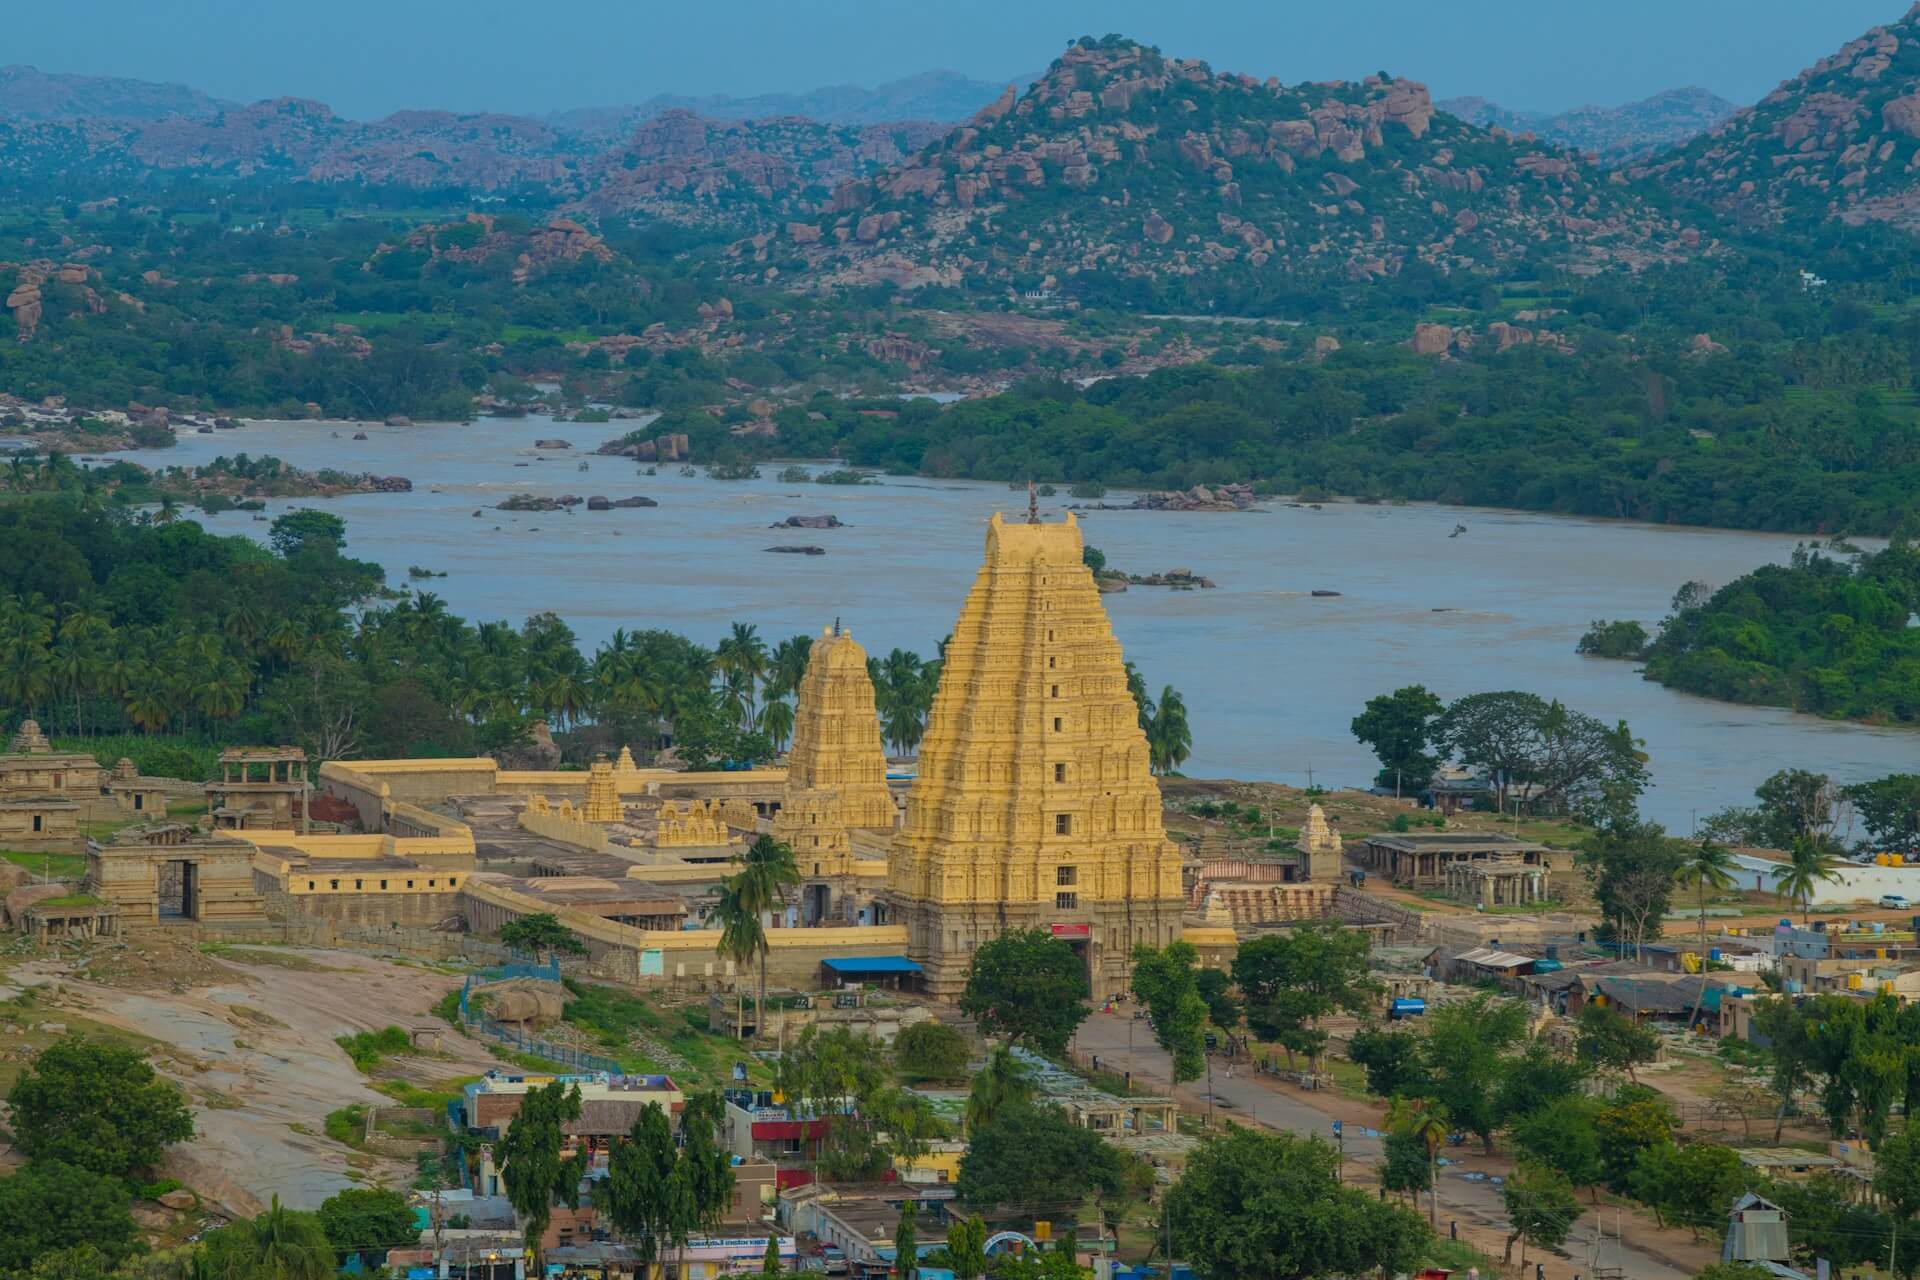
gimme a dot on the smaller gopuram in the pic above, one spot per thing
(603, 797)
(260, 787)
(1321, 854)
(175, 872)
(836, 770)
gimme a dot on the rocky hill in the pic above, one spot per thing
(1612, 133)
(1122, 163)
(29, 94)
(1839, 140)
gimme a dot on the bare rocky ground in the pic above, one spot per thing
(249, 1034)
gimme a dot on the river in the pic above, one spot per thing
(1271, 674)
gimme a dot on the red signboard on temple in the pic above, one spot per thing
(1072, 931)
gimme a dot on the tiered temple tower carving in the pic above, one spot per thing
(836, 770)
(603, 797)
(1035, 804)
(1321, 854)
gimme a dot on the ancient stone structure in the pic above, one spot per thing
(136, 795)
(625, 763)
(32, 766)
(1034, 804)
(836, 771)
(175, 872)
(44, 823)
(1321, 856)
(260, 787)
(701, 823)
(603, 798)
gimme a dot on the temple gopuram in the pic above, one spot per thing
(1035, 805)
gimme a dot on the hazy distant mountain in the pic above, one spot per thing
(944, 96)
(1613, 133)
(27, 93)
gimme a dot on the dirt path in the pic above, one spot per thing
(256, 1056)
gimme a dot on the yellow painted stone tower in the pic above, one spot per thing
(836, 771)
(1035, 805)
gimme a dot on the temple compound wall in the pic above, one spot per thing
(1034, 805)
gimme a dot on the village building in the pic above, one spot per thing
(260, 787)
(1421, 860)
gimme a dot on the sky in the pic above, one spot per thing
(368, 57)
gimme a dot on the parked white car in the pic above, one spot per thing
(1893, 902)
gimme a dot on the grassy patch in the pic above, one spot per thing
(70, 900)
(609, 1015)
(367, 1048)
(262, 954)
(348, 1126)
(1458, 1255)
(60, 866)
(409, 1094)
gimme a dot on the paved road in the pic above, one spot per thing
(1125, 1045)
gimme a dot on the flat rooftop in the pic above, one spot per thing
(1453, 842)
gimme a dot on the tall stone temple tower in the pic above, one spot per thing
(836, 771)
(1034, 804)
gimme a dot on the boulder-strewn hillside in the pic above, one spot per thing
(1611, 133)
(684, 167)
(1122, 163)
(1841, 139)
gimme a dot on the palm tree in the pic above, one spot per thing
(1425, 1121)
(788, 665)
(1004, 1082)
(743, 655)
(1169, 740)
(1810, 862)
(1708, 866)
(776, 721)
(280, 1244)
(767, 871)
(1137, 686)
(741, 934)
(169, 510)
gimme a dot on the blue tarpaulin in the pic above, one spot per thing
(871, 964)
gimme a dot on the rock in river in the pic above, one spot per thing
(809, 522)
(800, 551)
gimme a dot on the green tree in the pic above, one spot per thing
(1032, 1154)
(1169, 740)
(1166, 981)
(1635, 1122)
(1687, 1186)
(541, 931)
(96, 1106)
(1395, 1061)
(1224, 1009)
(1002, 1084)
(906, 1240)
(306, 530)
(1293, 979)
(1028, 986)
(967, 1248)
(1560, 754)
(1709, 866)
(1896, 1181)
(1467, 1044)
(531, 1166)
(1612, 1041)
(50, 1206)
(1790, 1058)
(279, 1244)
(742, 934)
(767, 871)
(770, 1261)
(1810, 863)
(638, 1195)
(1399, 728)
(1889, 809)
(367, 1221)
(1541, 1209)
(1564, 1135)
(1260, 1206)
(1405, 1166)
(1423, 1121)
(930, 1051)
(1633, 866)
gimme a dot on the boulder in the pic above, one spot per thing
(552, 444)
(598, 503)
(809, 522)
(1431, 339)
(399, 420)
(635, 501)
(799, 550)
